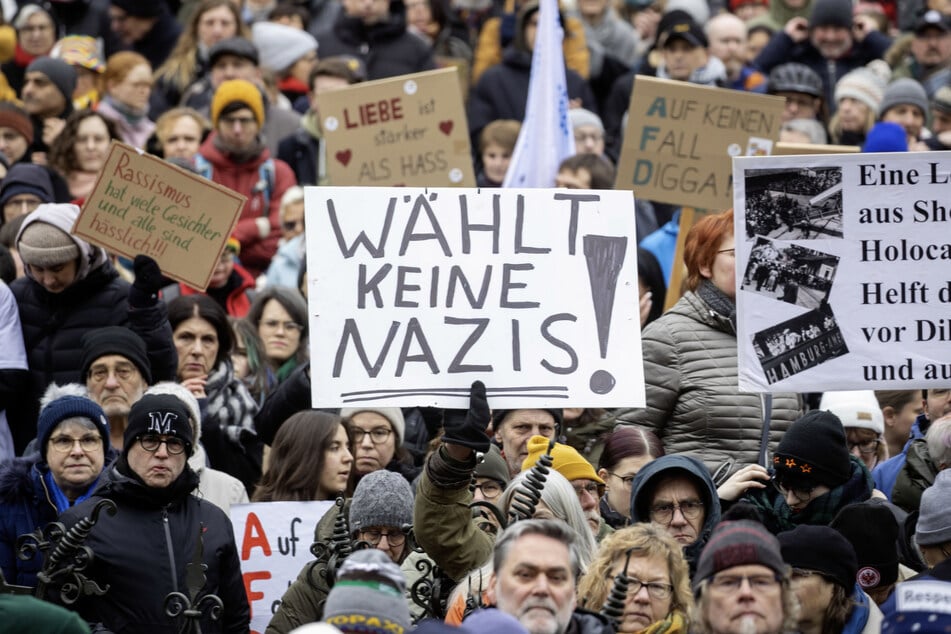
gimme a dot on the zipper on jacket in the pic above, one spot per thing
(168, 545)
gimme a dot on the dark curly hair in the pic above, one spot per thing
(63, 150)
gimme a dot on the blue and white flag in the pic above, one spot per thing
(546, 138)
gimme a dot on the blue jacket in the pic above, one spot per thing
(25, 504)
(886, 473)
(861, 611)
(663, 243)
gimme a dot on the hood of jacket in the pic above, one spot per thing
(643, 486)
(62, 217)
(20, 477)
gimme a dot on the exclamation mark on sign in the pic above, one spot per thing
(604, 255)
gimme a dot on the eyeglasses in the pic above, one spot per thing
(727, 251)
(664, 513)
(21, 203)
(801, 493)
(626, 481)
(591, 488)
(393, 538)
(867, 447)
(656, 590)
(123, 372)
(732, 583)
(377, 434)
(244, 122)
(490, 489)
(64, 444)
(289, 326)
(36, 28)
(581, 137)
(151, 444)
(290, 225)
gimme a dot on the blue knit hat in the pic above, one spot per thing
(886, 136)
(70, 407)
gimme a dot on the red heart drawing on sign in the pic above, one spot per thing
(445, 127)
(344, 156)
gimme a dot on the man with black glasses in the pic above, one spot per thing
(152, 546)
(742, 583)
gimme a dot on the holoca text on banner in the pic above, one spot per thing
(842, 271)
(415, 293)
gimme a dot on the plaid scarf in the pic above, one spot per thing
(229, 405)
(778, 517)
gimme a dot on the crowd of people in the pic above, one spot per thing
(135, 410)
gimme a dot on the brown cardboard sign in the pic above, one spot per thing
(796, 149)
(141, 204)
(680, 139)
(409, 130)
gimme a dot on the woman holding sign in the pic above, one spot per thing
(690, 363)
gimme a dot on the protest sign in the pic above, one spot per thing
(842, 272)
(680, 138)
(141, 204)
(404, 131)
(273, 540)
(416, 293)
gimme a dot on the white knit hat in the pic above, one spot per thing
(863, 85)
(279, 45)
(855, 409)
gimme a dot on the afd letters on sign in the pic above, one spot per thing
(415, 293)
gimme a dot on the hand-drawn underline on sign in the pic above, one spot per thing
(528, 391)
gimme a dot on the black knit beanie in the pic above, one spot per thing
(822, 549)
(873, 531)
(813, 450)
(831, 13)
(160, 414)
(116, 340)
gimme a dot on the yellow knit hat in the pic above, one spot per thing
(566, 460)
(237, 91)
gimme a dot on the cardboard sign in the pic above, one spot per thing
(416, 293)
(794, 149)
(273, 540)
(680, 138)
(842, 272)
(407, 130)
(141, 204)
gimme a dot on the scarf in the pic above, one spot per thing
(611, 517)
(133, 116)
(21, 58)
(59, 498)
(778, 517)
(675, 623)
(717, 300)
(239, 155)
(152, 497)
(229, 405)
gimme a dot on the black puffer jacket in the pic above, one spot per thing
(54, 323)
(385, 48)
(142, 552)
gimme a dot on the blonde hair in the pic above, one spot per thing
(163, 126)
(642, 541)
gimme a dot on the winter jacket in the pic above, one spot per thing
(25, 505)
(305, 152)
(779, 14)
(14, 371)
(287, 262)
(155, 46)
(886, 473)
(642, 488)
(917, 474)
(215, 486)
(693, 405)
(930, 79)
(385, 48)
(237, 303)
(258, 228)
(865, 618)
(781, 49)
(586, 622)
(54, 323)
(616, 36)
(142, 552)
(502, 92)
(289, 397)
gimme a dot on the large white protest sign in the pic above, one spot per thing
(273, 541)
(415, 293)
(842, 267)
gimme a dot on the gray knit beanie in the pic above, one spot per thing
(279, 46)
(904, 91)
(831, 13)
(59, 72)
(934, 516)
(392, 414)
(863, 85)
(368, 596)
(580, 116)
(382, 498)
(42, 244)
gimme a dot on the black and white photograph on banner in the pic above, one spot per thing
(790, 273)
(802, 203)
(798, 344)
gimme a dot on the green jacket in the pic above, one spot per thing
(915, 476)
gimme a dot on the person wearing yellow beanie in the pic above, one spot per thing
(568, 462)
(234, 94)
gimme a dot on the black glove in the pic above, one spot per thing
(467, 427)
(148, 282)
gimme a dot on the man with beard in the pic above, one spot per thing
(235, 156)
(826, 42)
(47, 97)
(726, 35)
(535, 569)
(930, 53)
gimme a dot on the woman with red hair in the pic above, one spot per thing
(690, 368)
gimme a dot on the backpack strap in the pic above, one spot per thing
(267, 173)
(203, 167)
